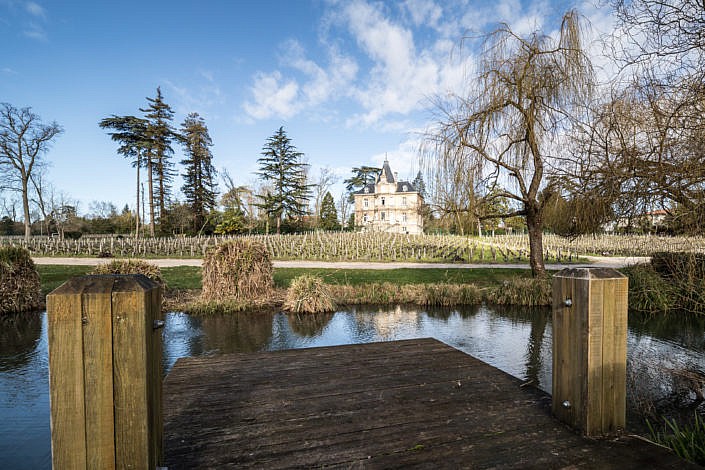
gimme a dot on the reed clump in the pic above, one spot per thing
(237, 270)
(524, 291)
(441, 295)
(687, 441)
(20, 288)
(132, 266)
(308, 294)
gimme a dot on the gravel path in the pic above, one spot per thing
(593, 261)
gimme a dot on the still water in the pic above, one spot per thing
(665, 360)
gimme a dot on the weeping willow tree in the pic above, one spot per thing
(509, 128)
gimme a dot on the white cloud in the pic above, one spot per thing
(272, 96)
(423, 12)
(35, 9)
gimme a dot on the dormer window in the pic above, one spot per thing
(367, 190)
(405, 188)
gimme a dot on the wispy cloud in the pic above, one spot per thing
(202, 97)
(9, 71)
(35, 31)
(35, 9)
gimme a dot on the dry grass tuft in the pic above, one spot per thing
(238, 270)
(20, 288)
(529, 292)
(308, 294)
(132, 266)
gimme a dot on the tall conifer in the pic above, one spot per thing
(199, 178)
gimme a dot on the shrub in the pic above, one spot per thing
(521, 291)
(688, 441)
(648, 291)
(20, 288)
(308, 294)
(444, 295)
(239, 269)
(132, 266)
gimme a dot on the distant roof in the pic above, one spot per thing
(402, 186)
(387, 172)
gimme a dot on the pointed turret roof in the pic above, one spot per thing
(387, 171)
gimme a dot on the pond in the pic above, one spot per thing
(666, 364)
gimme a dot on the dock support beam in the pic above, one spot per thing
(105, 373)
(590, 349)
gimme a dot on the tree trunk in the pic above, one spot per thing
(25, 208)
(279, 223)
(534, 224)
(137, 206)
(150, 187)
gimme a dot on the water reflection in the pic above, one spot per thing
(666, 364)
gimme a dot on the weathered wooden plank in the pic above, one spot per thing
(131, 369)
(98, 372)
(403, 408)
(68, 428)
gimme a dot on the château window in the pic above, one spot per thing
(403, 200)
(405, 188)
(403, 217)
(381, 214)
(382, 201)
(365, 203)
(364, 217)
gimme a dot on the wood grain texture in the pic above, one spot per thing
(68, 429)
(105, 372)
(416, 403)
(589, 349)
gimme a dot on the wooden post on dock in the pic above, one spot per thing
(105, 373)
(590, 349)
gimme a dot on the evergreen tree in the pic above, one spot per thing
(362, 176)
(329, 214)
(419, 184)
(281, 166)
(160, 134)
(199, 178)
(131, 133)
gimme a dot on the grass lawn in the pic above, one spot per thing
(189, 277)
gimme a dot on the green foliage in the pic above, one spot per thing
(199, 174)
(308, 294)
(20, 287)
(362, 176)
(232, 222)
(131, 266)
(329, 214)
(688, 441)
(281, 166)
(648, 291)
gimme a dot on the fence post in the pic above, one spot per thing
(105, 372)
(590, 349)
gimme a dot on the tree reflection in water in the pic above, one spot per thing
(19, 335)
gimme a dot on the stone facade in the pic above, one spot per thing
(389, 205)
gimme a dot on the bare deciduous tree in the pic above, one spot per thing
(507, 128)
(24, 140)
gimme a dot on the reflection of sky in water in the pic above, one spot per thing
(515, 341)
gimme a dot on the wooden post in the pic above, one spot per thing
(105, 373)
(590, 349)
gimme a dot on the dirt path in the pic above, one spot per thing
(593, 261)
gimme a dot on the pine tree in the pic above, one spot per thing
(199, 178)
(161, 134)
(419, 184)
(281, 166)
(362, 176)
(131, 133)
(329, 214)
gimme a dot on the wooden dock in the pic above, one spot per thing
(414, 403)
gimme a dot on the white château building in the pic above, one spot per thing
(388, 205)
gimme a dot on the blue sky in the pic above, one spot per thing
(349, 80)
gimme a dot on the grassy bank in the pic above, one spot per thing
(352, 286)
